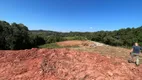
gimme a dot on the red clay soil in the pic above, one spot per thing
(70, 43)
(64, 64)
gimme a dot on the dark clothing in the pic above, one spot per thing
(134, 54)
(136, 49)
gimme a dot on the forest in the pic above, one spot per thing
(18, 36)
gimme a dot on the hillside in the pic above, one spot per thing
(80, 57)
(92, 46)
(15, 36)
(64, 64)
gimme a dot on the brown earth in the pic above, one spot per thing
(80, 43)
(91, 46)
(107, 50)
(73, 43)
(70, 43)
(64, 64)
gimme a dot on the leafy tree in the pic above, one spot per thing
(16, 36)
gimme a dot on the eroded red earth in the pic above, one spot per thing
(64, 64)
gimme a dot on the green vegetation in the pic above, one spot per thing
(123, 37)
(75, 38)
(51, 45)
(17, 36)
(54, 45)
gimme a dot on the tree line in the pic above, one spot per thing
(18, 36)
(125, 37)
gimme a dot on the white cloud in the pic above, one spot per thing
(91, 27)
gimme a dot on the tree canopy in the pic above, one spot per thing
(17, 36)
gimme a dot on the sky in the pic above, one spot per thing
(73, 15)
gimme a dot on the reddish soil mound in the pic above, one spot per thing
(70, 43)
(64, 64)
(81, 43)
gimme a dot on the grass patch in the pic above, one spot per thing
(54, 45)
(69, 38)
(75, 38)
(51, 45)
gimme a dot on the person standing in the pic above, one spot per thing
(135, 52)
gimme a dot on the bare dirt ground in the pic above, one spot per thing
(107, 50)
(64, 64)
(90, 46)
(70, 43)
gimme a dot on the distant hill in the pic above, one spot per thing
(12, 35)
(122, 37)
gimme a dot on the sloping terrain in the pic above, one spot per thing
(91, 46)
(64, 64)
(86, 43)
(107, 50)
